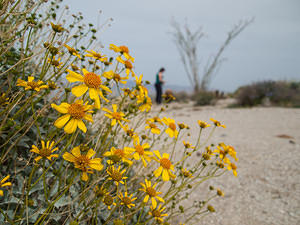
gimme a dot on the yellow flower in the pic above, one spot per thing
(4, 100)
(3, 183)
(45, 152)
(138, 80)
(128, 66)
(186, 173)
(31, 84)
(108, 200)
(233, 167)
(130, 132)
(140, 151)
(75, 112)
(117, 155)
(146, 103)
(153, 128)
(203, 124)
(90, 81)
(96, 56)
(157, 213)
(72, 51)
(224, 150)
(57, 27)
(188, 145)
(171, 130)
(182, 126)
(55, 62)
(155, 119)
(100, 191)
(74, 67)
(83, 162)
(111, 75)
(220, 193)
(126, 199)
(165, 166)
(116, 175)
(123, 50)
(151, 193)
(52, 85)
(115, 116)
(217, 123)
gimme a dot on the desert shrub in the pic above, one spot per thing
(204, 98)
(279, 93)
(71, 152)
(182, 96)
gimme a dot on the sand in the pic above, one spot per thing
(267, 141)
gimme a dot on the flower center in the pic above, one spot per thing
(124, 49)
(126, 201)
(117, 77)
(152, 125)
(116, 116)
(233, 166)
(108, 200)
(82, 161)
(128, 65)
(156, 213)
(139, 149)
(165, 163)
(55, 63)
(156, 119)
(97, 55)
(119, 152)
(187, 145)
(45, 152)
(186, 173)
(151, 191)
(92, 80)
(33, 84)
(217, 123)
(76, 111)
(116, 176)
(130, 133)
(172, 126)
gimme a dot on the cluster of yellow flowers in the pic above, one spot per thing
(116, 162)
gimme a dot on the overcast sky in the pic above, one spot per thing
(268, 49)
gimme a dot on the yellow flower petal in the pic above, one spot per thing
(82, 126)
(165, 175)
(158, 172)
(90, 153)
(146, 198)
(73, 77)
(154, 203)
(76, 151)
(89, 118)
(71, 126)
(61, 121)
(84, 176)
(69, 157)
(62, 108)
(94, 95)
(79, 90)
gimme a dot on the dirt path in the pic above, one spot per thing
(267, 140)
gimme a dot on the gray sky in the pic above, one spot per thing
(268, 49)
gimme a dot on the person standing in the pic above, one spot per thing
(158, 84)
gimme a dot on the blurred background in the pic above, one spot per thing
(268, 49)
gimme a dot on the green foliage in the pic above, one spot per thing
(203, 98)
(53, 174)
(279, 93)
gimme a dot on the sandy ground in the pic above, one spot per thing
(267, 189)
